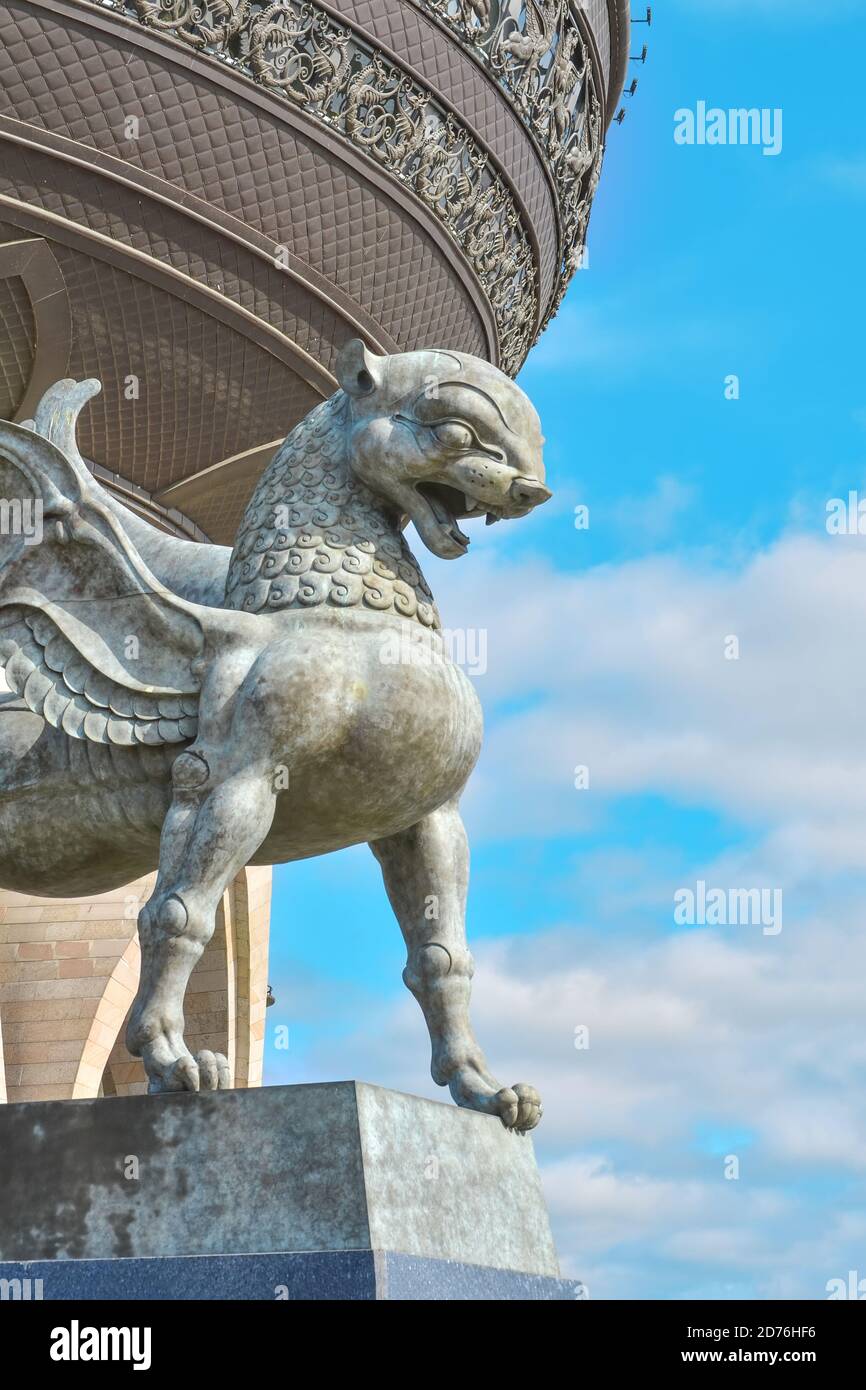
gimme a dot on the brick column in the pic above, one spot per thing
(69, 972)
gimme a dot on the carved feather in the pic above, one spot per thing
(68, 657)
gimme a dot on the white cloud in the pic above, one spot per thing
(762, 1042)
(623, 669)
(702, 1042)
(650, 517)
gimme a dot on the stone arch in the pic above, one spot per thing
(111, 1011)
(68, 975)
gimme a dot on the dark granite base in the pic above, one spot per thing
(336, 1275)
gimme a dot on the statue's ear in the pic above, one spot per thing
(359, 371)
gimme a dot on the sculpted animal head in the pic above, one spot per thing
(442, 436)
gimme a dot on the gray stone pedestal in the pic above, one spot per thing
(335, 1191)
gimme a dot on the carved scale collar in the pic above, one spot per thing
(315, 534)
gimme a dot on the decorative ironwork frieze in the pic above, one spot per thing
(296, 48)
(536, 52)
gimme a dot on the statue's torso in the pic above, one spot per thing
(394, 727)
(369, 723)
(379, 728)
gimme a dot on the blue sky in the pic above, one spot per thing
(606, 649)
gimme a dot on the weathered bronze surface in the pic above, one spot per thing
(181, 704)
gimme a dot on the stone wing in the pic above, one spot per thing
(88, 637)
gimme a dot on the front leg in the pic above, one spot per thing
(210, 833)
(426, 873)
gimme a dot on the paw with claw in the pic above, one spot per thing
(518, 1107)
(169, 1064)
(207, 1071)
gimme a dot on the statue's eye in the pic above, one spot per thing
(454, 435)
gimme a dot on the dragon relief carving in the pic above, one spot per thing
(201, 23)
(194, 708)
(536, 51)
(520, 45)
(385, 114)
(298, 52)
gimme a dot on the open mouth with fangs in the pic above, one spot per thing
(447, 504)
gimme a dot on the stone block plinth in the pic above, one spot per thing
(339, 1190)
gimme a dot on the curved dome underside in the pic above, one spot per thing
(199, 203)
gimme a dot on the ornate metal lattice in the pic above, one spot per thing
(296, 48)
(537, 53)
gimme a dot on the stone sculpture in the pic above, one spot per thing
(202, 708)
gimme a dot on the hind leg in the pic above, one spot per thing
(426, 873)
(210, 833)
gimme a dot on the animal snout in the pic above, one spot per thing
(526, 492)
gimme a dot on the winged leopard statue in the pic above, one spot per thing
(199, 708)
